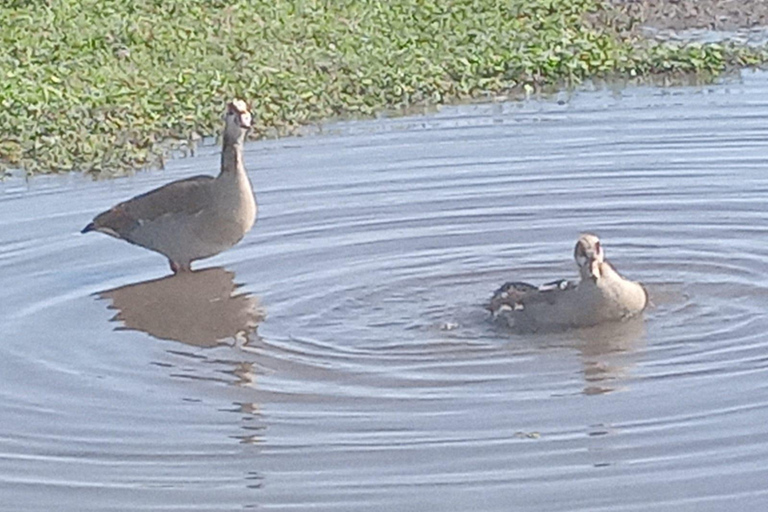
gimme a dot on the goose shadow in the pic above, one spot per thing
(201, 308)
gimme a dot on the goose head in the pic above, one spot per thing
(589, 255)
(237, 121)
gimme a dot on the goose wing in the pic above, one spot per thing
(185, 197)
(515, 295)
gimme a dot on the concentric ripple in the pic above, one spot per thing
(340, 357)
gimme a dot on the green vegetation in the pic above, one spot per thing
(102, 85)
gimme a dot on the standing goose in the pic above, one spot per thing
(193, 218)
(602, 295)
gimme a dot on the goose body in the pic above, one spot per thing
(193, 218)
(601, 295)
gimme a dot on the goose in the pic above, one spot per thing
(601, 295)
(192, 218)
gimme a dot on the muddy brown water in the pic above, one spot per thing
(339, 358)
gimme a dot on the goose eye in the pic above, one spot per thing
(597, 247)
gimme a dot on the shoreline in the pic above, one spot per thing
(104, 91)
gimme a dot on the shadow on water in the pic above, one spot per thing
(200, 308)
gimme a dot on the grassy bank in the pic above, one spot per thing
(98, 85)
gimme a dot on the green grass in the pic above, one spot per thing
(101, 85)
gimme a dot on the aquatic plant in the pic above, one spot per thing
(102, 86)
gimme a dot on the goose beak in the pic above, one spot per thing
(594, 269)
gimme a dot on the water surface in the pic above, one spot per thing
(340, 358)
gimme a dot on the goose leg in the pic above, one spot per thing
(180, 267)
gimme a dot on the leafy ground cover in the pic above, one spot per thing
(101, 86)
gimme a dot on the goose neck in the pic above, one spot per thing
(232, 157)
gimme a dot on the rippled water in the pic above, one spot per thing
(340, 358)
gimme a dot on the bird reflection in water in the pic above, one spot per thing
(204, 309)
(608, 352)
(201, 308)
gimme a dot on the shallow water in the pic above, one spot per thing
(340, 357)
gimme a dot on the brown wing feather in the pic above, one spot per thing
(187, 196)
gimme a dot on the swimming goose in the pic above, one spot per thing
(193, 218)
(601, 295)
